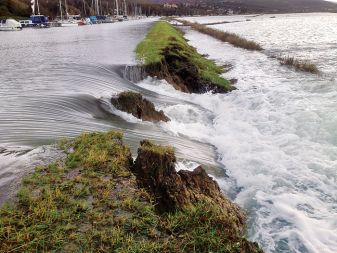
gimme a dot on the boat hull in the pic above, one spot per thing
(10, 29)
(68, 24)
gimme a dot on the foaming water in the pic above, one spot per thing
(58, 82)
(306, 36)
(275, 136)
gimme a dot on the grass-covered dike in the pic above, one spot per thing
(166, 54)
(93, 202)
(228, 37)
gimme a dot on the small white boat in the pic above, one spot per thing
(10, 25)
(66, 23)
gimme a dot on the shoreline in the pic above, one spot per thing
(99, 198)
(96, 153)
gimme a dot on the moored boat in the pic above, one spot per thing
(67, 23)
(71, 19)
(10, 25)
(39, 21)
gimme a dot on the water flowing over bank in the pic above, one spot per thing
(58, 82)
(276, 135)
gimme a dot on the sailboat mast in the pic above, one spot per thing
(84, 10)
(33, 7)
(38, 7)
(125, 9)
(66, 6)
(97, 7)
(61, 11)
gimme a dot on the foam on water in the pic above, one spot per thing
(63, 88)
(276, 138)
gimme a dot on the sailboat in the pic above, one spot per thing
(118, 17)
(38, 20)
(68, 22)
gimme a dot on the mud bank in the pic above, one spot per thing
(139, 107)
(165, 54)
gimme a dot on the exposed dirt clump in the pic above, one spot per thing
(178, 70)
(178, 191)
(138, 106)
(155, 171)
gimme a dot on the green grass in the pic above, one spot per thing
(90, 202)
(158, 38)
(163, 35)
(157, 149)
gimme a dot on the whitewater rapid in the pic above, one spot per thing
(57, 83)
(275, 137)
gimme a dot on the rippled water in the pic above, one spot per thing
(275, 136)
(57, 83)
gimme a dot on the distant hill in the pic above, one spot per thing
(273, 6)
(14, 7)
(21, 8)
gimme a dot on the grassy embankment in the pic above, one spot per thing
(164, 39)
(230, 38)
(91, 203)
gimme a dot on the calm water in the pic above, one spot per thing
(275, 136)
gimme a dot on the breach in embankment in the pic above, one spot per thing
(165, 54)
(99, 200)
(141, 108)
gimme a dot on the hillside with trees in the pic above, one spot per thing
(21, 8)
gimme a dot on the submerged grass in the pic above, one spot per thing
(91, 203)
(299, 65)
(162, 36)
(230, 38)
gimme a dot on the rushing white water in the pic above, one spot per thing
(276, 135)
(58, 83)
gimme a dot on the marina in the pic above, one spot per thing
(37, 20)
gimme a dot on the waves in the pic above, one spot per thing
(271, 144)
(57, 83)
(275, 137)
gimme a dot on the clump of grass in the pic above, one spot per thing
(91, 203)
(230, 38)
(299, 65)
(163, 36)
(146, 145)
